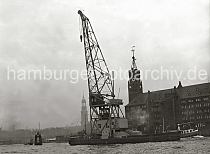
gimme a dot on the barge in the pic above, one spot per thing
(162, 137)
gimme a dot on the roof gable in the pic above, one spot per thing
(194, 90)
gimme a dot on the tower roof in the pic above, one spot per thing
(83, 97)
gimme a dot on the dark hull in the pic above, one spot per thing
(38, 139)
(170, 136)
(6, 142)
(38, 144)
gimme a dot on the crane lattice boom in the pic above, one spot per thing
(99, 79)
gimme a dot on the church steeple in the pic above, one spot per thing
(133, 66)
(134, 82)
(84, 113)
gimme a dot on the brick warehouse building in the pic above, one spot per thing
(162, 110)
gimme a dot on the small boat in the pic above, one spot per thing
(38, 139)
(190, 132)
(31, 142)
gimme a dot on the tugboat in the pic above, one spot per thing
(38, 139)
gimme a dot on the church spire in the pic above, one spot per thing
(83, 100)
(133, 66)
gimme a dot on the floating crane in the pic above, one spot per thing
(107, 126)
(105, 110)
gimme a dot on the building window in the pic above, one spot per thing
(190, 100)
(206, 99)
(183, 101)
(198, 100)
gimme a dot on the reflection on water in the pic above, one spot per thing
(188, 146)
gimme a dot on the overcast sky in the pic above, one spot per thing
(172, 34)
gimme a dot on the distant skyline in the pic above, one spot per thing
(168, 34)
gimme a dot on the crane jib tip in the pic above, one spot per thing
(79, 12)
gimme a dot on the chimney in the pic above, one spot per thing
(180, 85)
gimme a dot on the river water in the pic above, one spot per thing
(185, 146)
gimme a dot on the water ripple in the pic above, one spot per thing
(186, 146)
